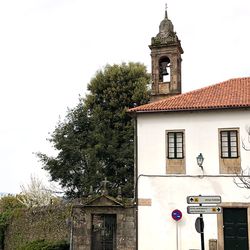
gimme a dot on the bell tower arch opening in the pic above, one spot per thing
(164, 69)
(166, 60)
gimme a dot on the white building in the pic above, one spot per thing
(171, 133)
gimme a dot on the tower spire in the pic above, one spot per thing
(166, 10)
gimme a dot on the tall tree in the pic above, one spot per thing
(96, 138)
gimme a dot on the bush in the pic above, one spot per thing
(9, 204)
(45, 245)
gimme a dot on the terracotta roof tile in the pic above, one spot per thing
(234, 93)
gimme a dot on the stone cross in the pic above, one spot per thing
(166, 12)
(104, 184)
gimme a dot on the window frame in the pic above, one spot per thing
(175, 146)
(229, 148)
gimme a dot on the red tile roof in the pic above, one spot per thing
(234, 93)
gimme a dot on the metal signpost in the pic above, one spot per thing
(199, 223)
(177, 215)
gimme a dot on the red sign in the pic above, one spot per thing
(176, 215)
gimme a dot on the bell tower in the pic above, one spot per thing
(166, 60)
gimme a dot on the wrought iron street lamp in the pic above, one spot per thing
(200, 160)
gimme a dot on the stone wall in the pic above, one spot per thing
(125, 232)
(38, 223)
(125, 223)
(72, 223)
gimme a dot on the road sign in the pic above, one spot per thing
(204, 199)
(204, 210)
(176, 215)
(199, 224)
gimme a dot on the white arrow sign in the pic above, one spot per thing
(204, 210)
(203, 199)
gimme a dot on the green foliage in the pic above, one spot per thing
(10, 202)
(28, 225)
(96, 138)
(45, 245)
(8, 205)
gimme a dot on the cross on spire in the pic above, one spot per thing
(166, 12)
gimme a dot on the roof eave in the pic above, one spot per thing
(134, 113)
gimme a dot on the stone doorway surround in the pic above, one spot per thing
(220, 242)
(123, 210)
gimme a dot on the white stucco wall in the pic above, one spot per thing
(157, 230)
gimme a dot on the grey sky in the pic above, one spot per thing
(50, 49)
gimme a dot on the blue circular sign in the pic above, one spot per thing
(176, 215)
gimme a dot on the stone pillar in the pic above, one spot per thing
(212, 244)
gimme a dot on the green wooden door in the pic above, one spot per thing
(235, 229)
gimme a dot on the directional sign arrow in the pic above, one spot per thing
(204, 199)
(218, 209)
(204, 210)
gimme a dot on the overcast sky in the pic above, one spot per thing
(50, 49)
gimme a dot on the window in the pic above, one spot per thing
(229, 148)
(175, 145)
(175, 152)
(229, 144)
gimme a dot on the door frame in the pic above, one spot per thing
(220, 242)
(104, 215)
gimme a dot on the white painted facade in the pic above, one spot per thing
(156, 228)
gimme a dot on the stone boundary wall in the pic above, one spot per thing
(38, 223)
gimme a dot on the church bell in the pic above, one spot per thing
(164, 66)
